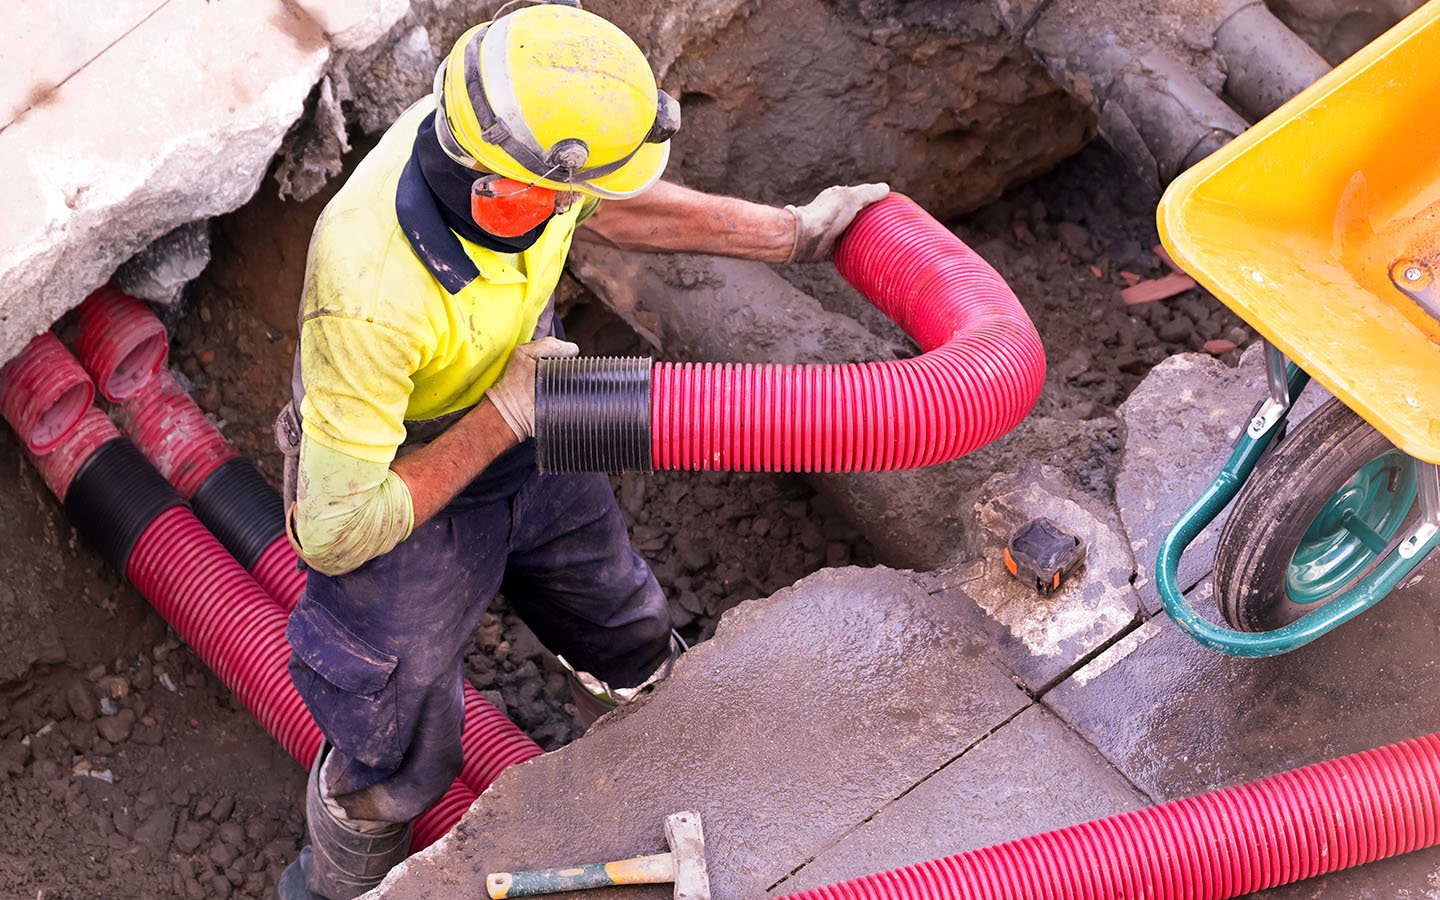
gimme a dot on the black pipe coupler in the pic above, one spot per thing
(592, 414)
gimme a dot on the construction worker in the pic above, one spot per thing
(415, 494)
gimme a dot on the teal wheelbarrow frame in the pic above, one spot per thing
(1285, 381)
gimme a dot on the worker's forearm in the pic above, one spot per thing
(435, 473)
(669, 217)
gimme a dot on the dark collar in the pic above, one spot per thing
(432, 204)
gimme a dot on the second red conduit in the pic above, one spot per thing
(1297, 824)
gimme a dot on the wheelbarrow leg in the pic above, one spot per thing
(1275, 407)
(1428, 474)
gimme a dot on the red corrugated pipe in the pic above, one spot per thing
(44, 392)
(121, 343)
(174, 433)
(1290, 826)
(237, 629)
(171, 430)
(980, 373)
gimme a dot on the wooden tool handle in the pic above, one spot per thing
(656, 869)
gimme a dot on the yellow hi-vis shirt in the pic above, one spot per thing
(382, 340)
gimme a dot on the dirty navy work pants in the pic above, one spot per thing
(378, 651)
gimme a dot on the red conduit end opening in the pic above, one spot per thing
(122, 343)
(45, 393)
(60, 465)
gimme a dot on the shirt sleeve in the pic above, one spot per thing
(358, 380)
(348, 510)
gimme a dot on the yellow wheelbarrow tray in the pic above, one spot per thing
(1320, 227)
(1310, 223)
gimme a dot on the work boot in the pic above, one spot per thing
(594, 698)
(346, 856)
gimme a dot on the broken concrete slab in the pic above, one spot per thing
(806, 713)
(154, 151)
(1042, 637)
(1032, 775)
(1181, 425)
(46, 43)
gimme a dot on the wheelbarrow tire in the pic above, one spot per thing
(1273, 512)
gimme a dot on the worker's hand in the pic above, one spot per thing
(821, 221)
(514, 394)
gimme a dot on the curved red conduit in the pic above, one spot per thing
(44, 392)
(980, 373)
(1287, 827)
(175, 434)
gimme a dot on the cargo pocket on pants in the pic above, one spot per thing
(348, 686)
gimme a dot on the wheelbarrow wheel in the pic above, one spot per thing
(1314, 517)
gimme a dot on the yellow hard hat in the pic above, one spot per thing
(556, 96)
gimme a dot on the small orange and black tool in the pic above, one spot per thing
(1044, 554)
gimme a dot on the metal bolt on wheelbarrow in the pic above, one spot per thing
(1320, 227)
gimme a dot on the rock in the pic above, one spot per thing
(116, 728)
(81, 700)
(157, 830)
(113, 686)
(75, 212)
(223, 807)
(220, 887)
(221, 854)
(189, 838)
(160, 272)
(13, 756)
(233, 834)
(1075, 238)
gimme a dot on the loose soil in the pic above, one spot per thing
(128, 770)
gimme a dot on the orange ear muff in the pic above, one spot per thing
(508, 208)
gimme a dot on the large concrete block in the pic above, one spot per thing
(1032, 775)
(176, 120)
(46, 43)
(807, 713)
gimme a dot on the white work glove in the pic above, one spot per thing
(819, 223)
(514, 394)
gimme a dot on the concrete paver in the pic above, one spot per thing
(807, 713)
(1040, 638)
(1032, 775)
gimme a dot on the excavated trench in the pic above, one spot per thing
(123, 761)
(127, 769)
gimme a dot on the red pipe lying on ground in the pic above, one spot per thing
(174, 434)
(979, 375)
(45, 392)
(1287, 827)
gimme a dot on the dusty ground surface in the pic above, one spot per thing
(178, 793)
